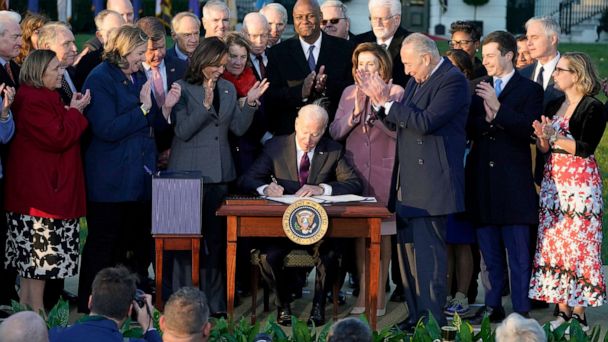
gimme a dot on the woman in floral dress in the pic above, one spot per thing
(568, 266)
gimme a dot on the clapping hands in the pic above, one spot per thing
(8, 95)
(258, 89)
(80, 101)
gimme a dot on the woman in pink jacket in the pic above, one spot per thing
(370, 149)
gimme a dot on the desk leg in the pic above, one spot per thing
(159, 272)
(196, 248)
(231, 236)
(373, 264)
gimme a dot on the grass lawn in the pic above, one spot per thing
(597, 53)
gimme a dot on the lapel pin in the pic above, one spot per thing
(172, 70)
(320, 152)
(225, 91)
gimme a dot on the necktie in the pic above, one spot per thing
(7, 66)
(498, 86)
(304, 167)
(311, 58)
(66, 87)
(539, 78)
(159, 89)
(260, 60)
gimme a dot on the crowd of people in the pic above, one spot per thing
(485, 157)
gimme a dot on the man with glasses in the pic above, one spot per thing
(185, 31)
(335, 21)
(304, 68)
(216, 19)
(385, 19)
(276, 15)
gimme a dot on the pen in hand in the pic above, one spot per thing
(274, 180)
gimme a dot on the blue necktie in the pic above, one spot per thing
(498, 86)
(311, 58)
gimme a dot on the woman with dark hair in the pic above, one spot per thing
(462, 61)
(119, 160)
(29, 30)
(568, 261)
(206, 111)
(466, 36)
(370, 149)
(45, 194)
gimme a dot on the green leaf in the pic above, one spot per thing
(432, 327)
(576, 331)
(18, 307)
(324, 332)
(299, 330)
(485, 333)
(59, 315)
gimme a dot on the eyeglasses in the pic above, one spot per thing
(463, 42)
(383, 20)
(332, 21)
(558, 70)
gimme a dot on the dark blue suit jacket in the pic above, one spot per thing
(122, 150)
(551, 93)
(431, 140)
(97, 330)
(500, 186)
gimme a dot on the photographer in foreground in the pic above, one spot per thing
(111, 302)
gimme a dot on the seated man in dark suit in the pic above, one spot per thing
(304, 164)
(111, 302)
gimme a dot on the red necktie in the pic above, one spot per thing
(304, 167)
(7, 66)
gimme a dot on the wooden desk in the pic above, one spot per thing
(261, 218)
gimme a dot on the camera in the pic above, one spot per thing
(140, 298)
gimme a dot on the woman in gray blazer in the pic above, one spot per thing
(206, 111)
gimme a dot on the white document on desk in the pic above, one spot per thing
(289, 199)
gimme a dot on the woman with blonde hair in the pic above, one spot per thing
(568, 264)
(370, 149)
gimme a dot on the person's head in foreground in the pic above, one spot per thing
(186, 316)
(24, 326)
(516, 328)
(350, 329)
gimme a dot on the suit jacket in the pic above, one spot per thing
(370, 148)
(201, 136)
(175, 69)
(45, 165)
(97, 329)
(500, 187)
(550, 93)
(171, 53)
(279, 159)
(5, 78)
(287, 67)
(121, 153)
(84, 67)
(431, 139)
(394, 50)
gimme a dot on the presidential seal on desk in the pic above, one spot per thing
(305, 222)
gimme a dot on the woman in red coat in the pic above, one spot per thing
(45, 194)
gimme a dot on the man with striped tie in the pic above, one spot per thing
(58, 37)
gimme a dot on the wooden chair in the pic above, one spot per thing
(295, 258)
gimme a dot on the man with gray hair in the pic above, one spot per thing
(24, 326)
(216, 19)
(331, 176)
(276, 15)
(431, 139)
(385, 20)
(186, 317)
(105, 22)
(122, 7)
(185, 31)
(10, 45)
(57, 37)
(543, 39)
(517, 328)
(335, 21)
(349, 329)
(256, 29)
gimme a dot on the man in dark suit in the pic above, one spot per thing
(502, 198)
(105, 21)
(385, 19)
(57, 37)
(10, 45)
(185, 31)
(306, 67)
(431, 139)
(305, 164)
(255, 28)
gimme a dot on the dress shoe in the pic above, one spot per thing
(397, 296)
(317, 315)
(69, 296)
(407, 326)
(341, 298)
(496, 315)
(284, 316)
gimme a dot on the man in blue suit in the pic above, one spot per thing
(431, 140)
(111, 302)
(502, 197)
